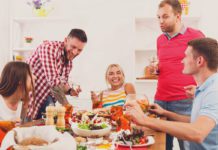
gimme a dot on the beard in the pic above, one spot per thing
(168, 29)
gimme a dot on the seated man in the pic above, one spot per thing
(201, 129)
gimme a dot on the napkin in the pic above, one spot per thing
(48, 133)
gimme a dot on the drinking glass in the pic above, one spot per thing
(141, 99)
(75, 86)
(154, 65)
(98, 103)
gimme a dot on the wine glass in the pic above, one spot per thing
(75, 86)
(134, 97)
(141, 99)
(97, 103)
(97, 93)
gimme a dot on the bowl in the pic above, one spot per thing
(90, 133)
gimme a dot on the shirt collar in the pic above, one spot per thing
(209, 81)
(182, 31)
(64, 54)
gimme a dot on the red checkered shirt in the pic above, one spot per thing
(49, 67)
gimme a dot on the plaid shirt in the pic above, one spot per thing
(49, 66)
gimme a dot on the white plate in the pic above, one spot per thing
(150, 142)
(90, 133)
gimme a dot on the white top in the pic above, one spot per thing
(8, 114)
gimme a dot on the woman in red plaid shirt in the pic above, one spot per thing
(51, 63)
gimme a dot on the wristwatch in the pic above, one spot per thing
(69, 91)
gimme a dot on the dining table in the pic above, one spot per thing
(160, 140)
(159, 137)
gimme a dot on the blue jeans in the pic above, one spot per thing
(49, 101)
(182, 107)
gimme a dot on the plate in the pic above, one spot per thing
(90, 133)
(150, 139)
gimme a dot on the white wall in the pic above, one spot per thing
(110, 28)
(4, 36)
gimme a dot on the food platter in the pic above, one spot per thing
(150, 141)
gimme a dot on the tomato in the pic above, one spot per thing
(142, 140)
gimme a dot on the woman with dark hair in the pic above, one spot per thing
(15, 84)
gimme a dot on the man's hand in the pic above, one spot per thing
(59, 93)
(190, 91)
(134, 111)
(75, 92)
(155, 108)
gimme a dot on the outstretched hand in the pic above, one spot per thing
(155, 108)
(75, 92)
(134, 112)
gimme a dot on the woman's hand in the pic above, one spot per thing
(94, 97)
(135, 113)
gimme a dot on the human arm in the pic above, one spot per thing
(129, 88)
(170, 115)
(50, 57)
(196, 131)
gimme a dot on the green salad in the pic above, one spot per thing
(92, 126)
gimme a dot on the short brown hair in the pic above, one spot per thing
(78, 33)
(208, 48)
(177, 8)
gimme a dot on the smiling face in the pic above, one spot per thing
(73, 47)
(168, 18)
(190, 62)
(115, 77)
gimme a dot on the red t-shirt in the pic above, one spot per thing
(170, 53)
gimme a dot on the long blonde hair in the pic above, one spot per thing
(108, 69)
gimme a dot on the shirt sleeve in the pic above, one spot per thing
(209, 106)
(48, 57)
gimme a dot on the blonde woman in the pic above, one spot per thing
(115, 95)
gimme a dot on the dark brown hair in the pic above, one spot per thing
(174, 4)
(13, 74)
(208, 48)
(78, 33)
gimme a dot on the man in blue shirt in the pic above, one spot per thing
(201, 129)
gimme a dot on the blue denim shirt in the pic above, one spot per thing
(206, 104)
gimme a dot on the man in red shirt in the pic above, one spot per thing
(171, 45)
(51, 63)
